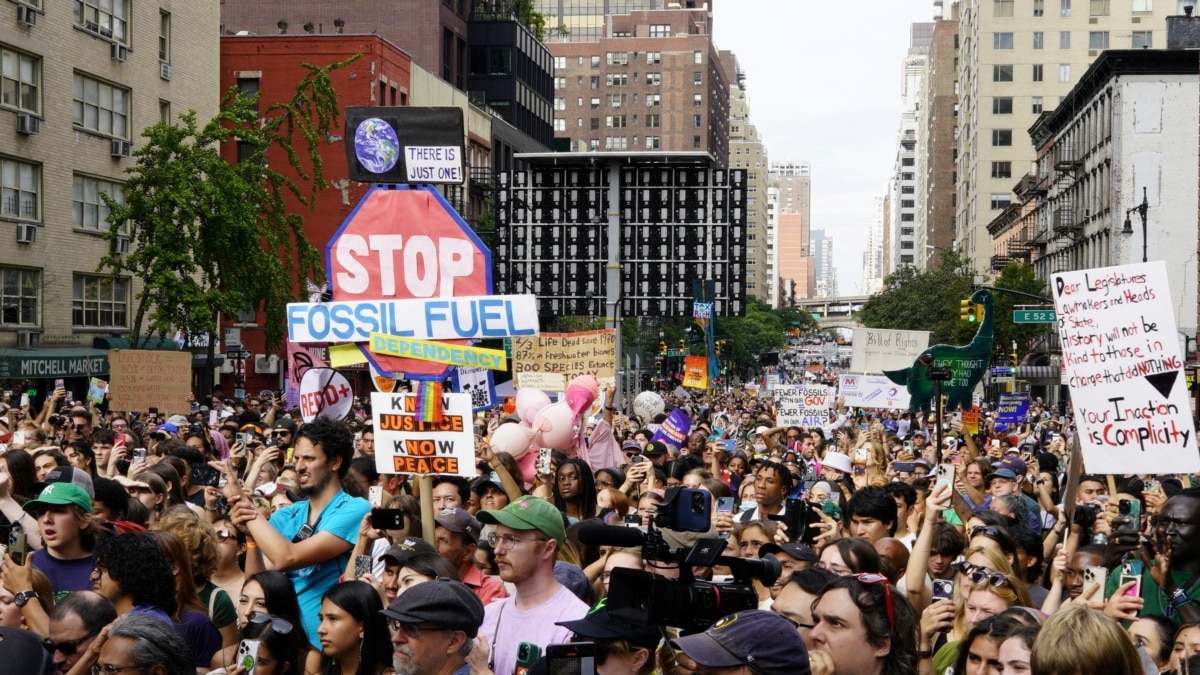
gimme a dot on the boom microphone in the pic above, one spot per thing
(611, 535)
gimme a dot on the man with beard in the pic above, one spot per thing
(433, 627)
(311, 539)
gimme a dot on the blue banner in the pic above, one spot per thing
(1012, 409)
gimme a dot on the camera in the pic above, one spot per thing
(1085, 515)
(57, 421)
(689, 604)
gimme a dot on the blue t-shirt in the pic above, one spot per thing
(66, 576)
(341, 518)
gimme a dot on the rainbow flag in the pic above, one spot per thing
(429, 401)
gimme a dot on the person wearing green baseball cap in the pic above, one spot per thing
(63, 512)
(528, 536)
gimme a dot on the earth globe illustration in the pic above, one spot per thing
(376, 145)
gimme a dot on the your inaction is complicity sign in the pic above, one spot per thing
(1122, 362)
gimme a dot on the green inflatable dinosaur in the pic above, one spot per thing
(967, 363)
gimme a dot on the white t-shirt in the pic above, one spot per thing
(505, 627)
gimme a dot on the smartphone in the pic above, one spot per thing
(205, 476)
(59, 384)
(543, 462)
(730, 446)
(945, 475)
(375, 496)
(1131, 508)
(943, 589)
(527, 654)
(633, 520)
(905, 467)
(305, 532)
(798, 517)
(571, 658)
(637, 459)
(139, 454)
(1152, 486)
(724, 505)
(362, 565)
(1131, 570)
(242, 438)
(153, 412)
(16, 545)
(1095, 575)
(387, 519)
(247, 656)
(908, 446)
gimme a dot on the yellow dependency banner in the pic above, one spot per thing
(695, 372)
(341, 356)
(438, 352)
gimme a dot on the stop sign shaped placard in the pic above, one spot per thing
(401, 244)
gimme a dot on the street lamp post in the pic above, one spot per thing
(1141, 209)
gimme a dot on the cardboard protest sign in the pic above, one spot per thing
(404, 443)
(1121, 360)
(140, 379)
(674, 430)
(872, 391)
(565, 355)
(695, 372)
(877, 349)
(802, 405)
(1012, 409)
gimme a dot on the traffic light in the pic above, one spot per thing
(718, 347)
(658, 365)
(682, 345)
(1012, 360)
(966, 311)
(662, 347)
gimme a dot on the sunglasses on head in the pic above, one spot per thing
(260, 620)
(68, 647)
(985, 530)
(879, 579)
(979, 574)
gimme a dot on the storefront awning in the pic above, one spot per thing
(53, 363)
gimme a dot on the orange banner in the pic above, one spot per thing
(695, 372)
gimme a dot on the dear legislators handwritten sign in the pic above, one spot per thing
(1121, 360)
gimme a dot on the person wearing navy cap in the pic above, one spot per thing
(754, 641)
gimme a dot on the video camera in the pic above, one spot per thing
(686, 603)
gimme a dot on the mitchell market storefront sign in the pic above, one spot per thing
(53, 363)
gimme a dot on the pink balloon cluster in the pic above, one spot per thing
(545, 424)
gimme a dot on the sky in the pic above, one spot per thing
(823, 82)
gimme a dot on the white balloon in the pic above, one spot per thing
(648, 405)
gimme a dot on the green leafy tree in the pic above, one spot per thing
(209, 236)
(928, 300)
(1028, 337)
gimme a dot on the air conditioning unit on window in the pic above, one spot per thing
(264, 363)
(122, 245)
(120, 52)
(26, 16)
(164, 70)
(121, 148)
(28, 124)
(26, 233)
(227, 366)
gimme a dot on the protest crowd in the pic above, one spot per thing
(234, 535)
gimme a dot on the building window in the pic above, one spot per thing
(616, 100)
(1002, 105)
(1036, 105)
(1098, 39)
(697, 121)
(1001, 169)
(164, 112)
(1142, 39)
(594, 144)
(595, 82)
(617, 58)
(654, 79)
(906, 176)
(20, 183)
(907, 218)
(907, 161)
(164, 37)
(1039, 8)
(653, 142)
(1064, 72)
(696, 143)
(560, 125)
(653, 121)
(595, 60)
(595, 124)
(20, 296)
(20, 80)
(1001, 137)
(1064, 39)
(617, 79)
(99, 302)
(1001, 201)
(560, 103)
(1143, 5)
(1002, 73)
(697, 100)
(907, 189)
(560, 83)
(1039, 40)
(653, 100)
(89, 212)
(595, 103)
(1037, 72)
(560, 62)
(660, 30)
(1064, 7)
(1098, 8)
(907, 203)
(1002, 41)
(906, 244)
(1003, 7)
(653, 58)
(616, 122)
(106, 18)
(616, 143)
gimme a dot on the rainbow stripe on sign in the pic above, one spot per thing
(438, 352)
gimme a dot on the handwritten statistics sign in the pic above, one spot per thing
(551, 360)
(140, 379)
(1122, 362)
(879, 349)
(802, 405)
(406, 444)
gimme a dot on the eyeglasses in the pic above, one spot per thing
(979, 574)
(68, 647)
(985, 530)
(495, 540)
(262, 619)
(279, 434)
(412, 630)
(109, 669)
(879, 579)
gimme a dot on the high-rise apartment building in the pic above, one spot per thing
(903, 186)
(936, 147)
(654, 81)
(748, 151)
(873, 274)
(584, 20)
(826, 273)
(772, 271)
(796, 269)
(1017, 59)
(77, 89)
